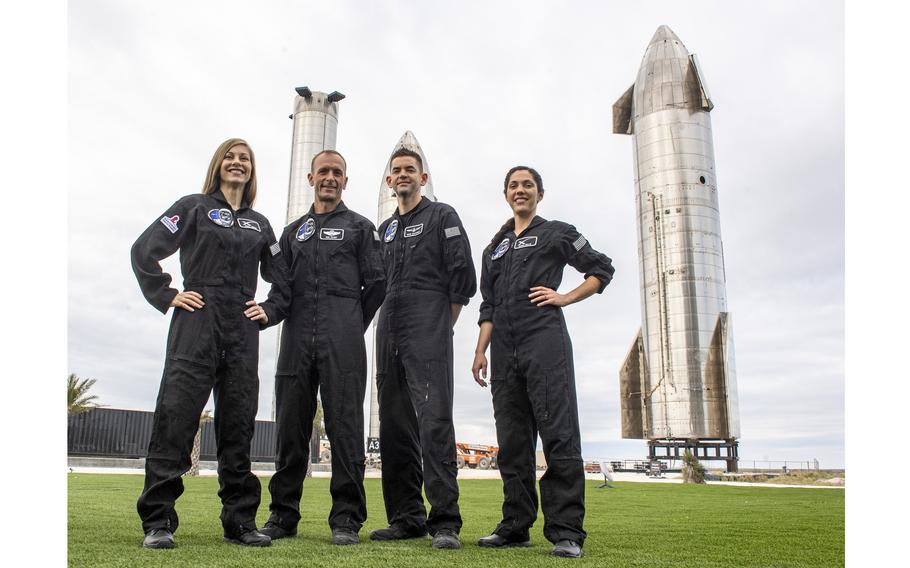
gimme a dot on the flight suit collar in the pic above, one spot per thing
(537, 220)
(424, 202)
(217, 194)
(341, 208)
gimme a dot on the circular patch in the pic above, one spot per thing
(500, 250)
(391, 230)
(222, 217)
(306, 230)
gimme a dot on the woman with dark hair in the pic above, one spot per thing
(532, 380)
(213, 342)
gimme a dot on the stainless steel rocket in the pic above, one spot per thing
(387, 205)
(315, 127)
(315, 119)
(678, 380)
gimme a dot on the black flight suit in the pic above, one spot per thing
(428, 267)
(532, 378)
(337, 283)
(215, 347)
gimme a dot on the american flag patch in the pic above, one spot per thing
(375, 235)
(452, 232)
(580, 242)
(275, 249)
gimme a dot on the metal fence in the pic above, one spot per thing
(778, 465)
(113, 432)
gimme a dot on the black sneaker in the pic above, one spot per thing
(567, 549)
(248, 537)
(499, 541)
(159, 538)
(396, 533)
(275, 531)
(446, 538)
(344, 536)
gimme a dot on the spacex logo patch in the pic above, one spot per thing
(170, 223)
(525, 242)
(248, 224)
(331, 234)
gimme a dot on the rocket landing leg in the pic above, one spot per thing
(704, 450)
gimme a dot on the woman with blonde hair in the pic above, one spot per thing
(213, 342)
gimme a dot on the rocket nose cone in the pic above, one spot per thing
(664, 33)
(407, 139)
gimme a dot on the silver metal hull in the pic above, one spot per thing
(387, 205)
(678, 380)
(315, 129)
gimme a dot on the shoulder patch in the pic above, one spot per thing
(327, 234)
(375, 235)
(525, 242)
(248, 224)
(171, 222)
(391, 230)
(275, 249)
(453, 232)
(500, 249)
(413, 230)
(580, 242)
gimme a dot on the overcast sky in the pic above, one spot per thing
(155, 87)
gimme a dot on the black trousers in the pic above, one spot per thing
(342, 404)
(533, 386)
(185, 388)
(417, 437)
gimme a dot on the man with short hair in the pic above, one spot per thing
(336, 284)
(429, 277)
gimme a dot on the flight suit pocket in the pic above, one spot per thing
(550, 397)
(191, 337)
(557, 415)
(344, 271)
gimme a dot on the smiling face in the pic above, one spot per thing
(328, 177)
(405, 177)
(237, 165)
(522, 193)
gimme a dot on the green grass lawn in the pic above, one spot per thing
(635, 524)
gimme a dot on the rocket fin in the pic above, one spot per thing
(630, 392)
(721, 421)
(622, 113)
(706, 102)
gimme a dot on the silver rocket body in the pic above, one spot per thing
(315, 127)
(678, 380)
(387, 205)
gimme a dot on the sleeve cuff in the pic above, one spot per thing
(165, 298)
(458, 299)
(603, 283)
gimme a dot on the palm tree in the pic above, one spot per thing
(197, 444)
(318, 433)
(77, 398)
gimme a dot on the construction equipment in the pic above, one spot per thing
(477, 456)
